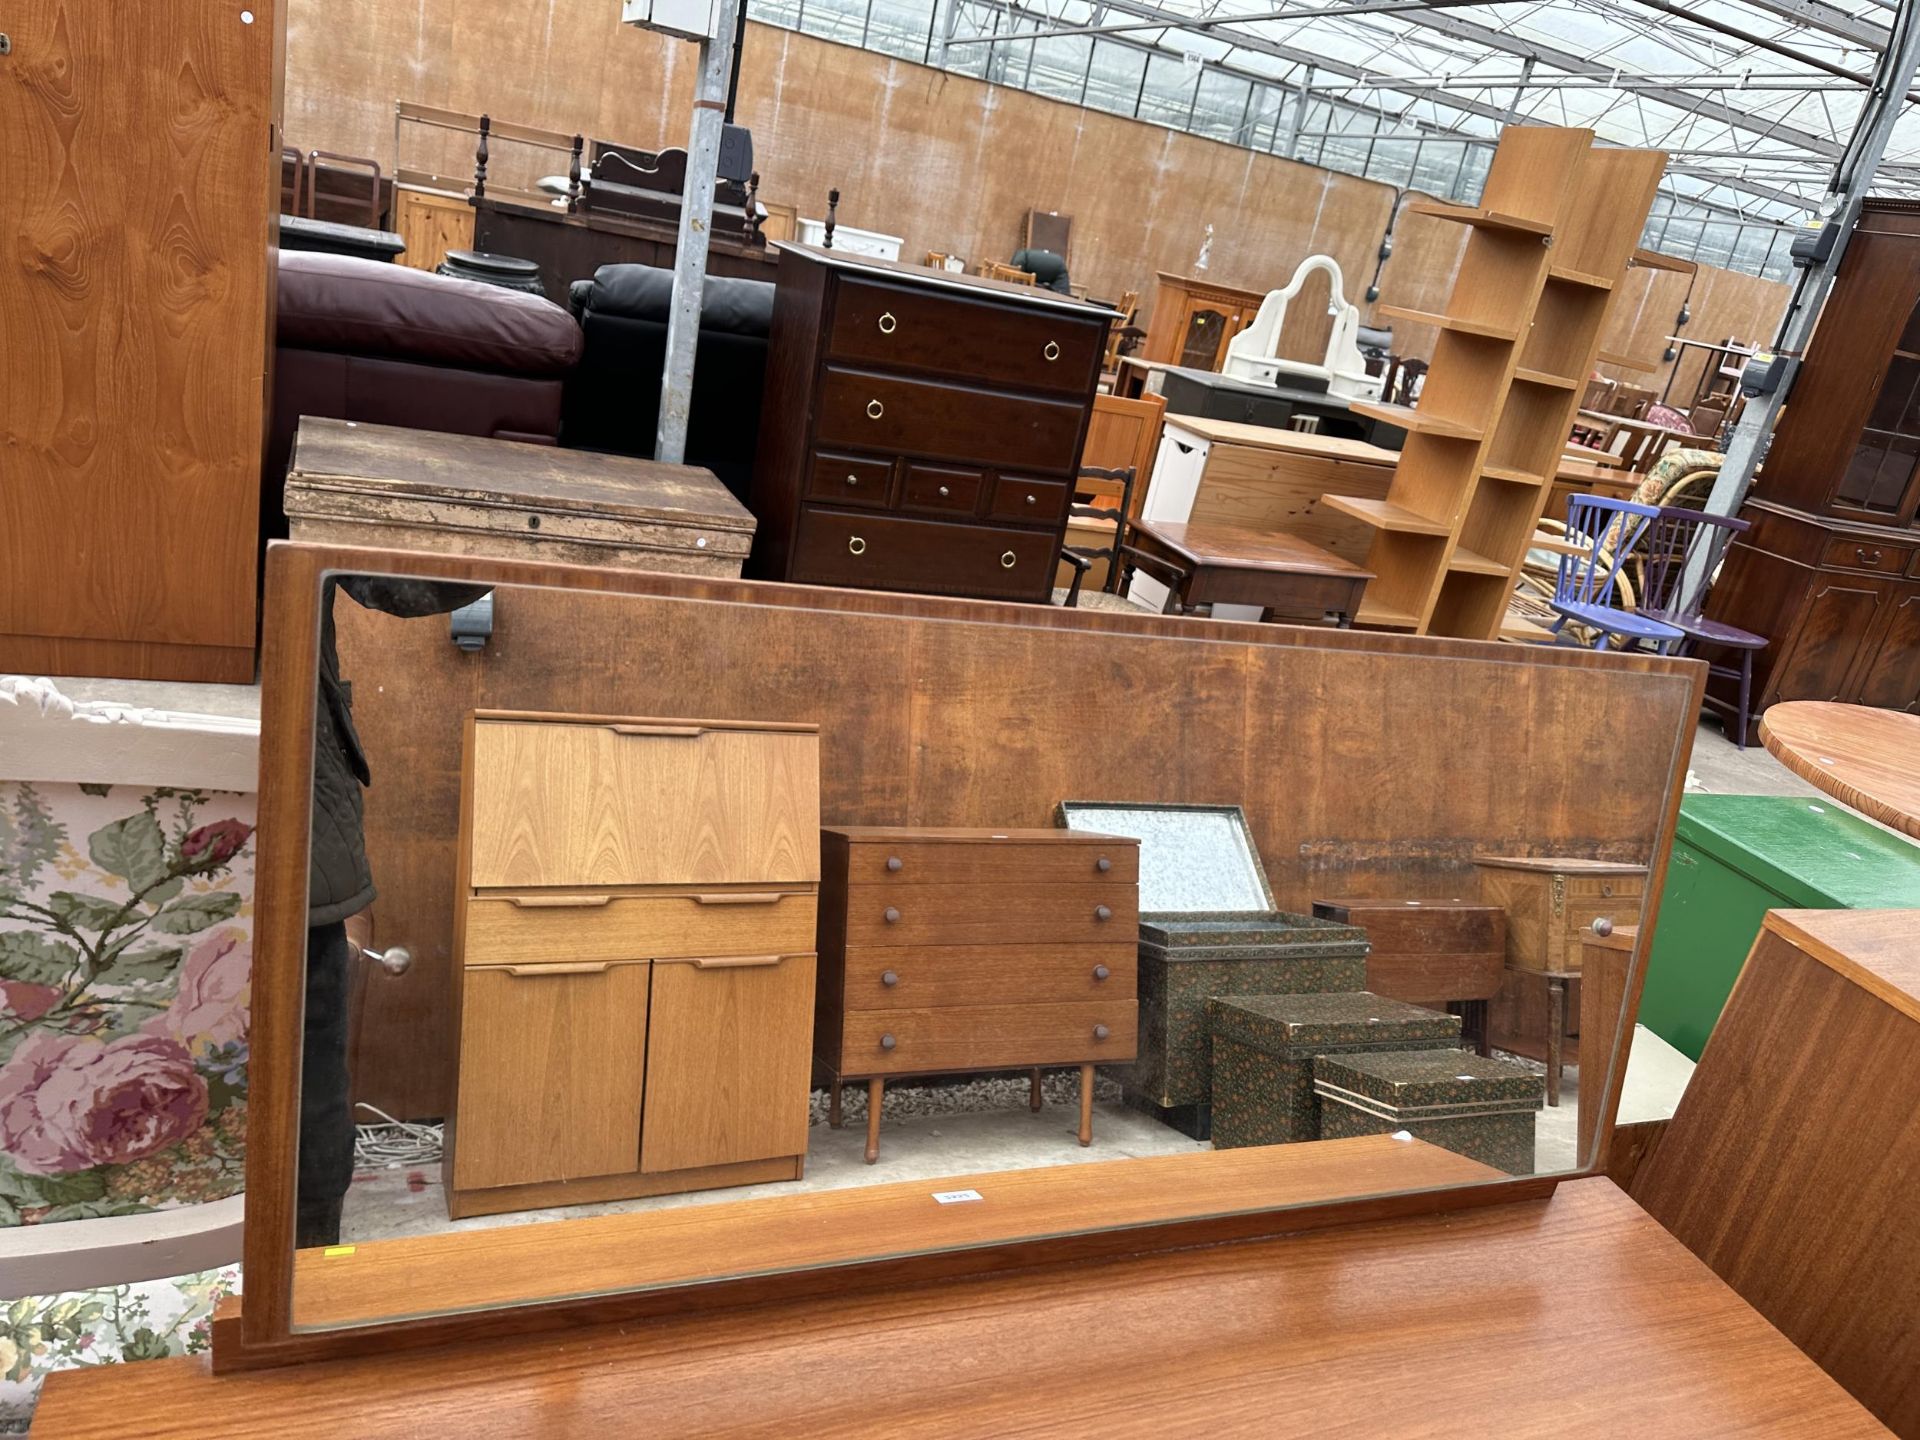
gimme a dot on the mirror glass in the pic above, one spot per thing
(625, 910)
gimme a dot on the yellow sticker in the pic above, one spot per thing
(334, 1250)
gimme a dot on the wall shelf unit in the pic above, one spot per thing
(1517, 338)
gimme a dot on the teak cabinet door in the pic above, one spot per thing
(729, 1061)
(1890, 668)
(552, 1059)
(573, 805)
(1833, 630)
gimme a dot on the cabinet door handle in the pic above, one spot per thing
(887, 323)
(674, 732)
(771, 897)
(875, 409)
(584, 968)
(734, 962)
(559, 902)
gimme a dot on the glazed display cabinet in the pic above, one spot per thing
(1830, 571)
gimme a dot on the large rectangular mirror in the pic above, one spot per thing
(608, 912)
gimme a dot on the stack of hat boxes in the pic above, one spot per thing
(1256, 1026)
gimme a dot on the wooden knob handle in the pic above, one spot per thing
(891, 915)
(889, 979)
(1101, 972)
(1102, 912)
(887, 1042)
(1100, 1032)
(893, 862)
(1103, 864)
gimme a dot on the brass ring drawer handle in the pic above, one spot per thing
(1866, 557)
(1007, 560)
(856, 546)
(887, 323)
(875, 409)
(1052, 352)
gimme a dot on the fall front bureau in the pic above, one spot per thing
(634, 952)
(973, 950)
(921, 430)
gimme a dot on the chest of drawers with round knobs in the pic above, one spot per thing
(953, 950)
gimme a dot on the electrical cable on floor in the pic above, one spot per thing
(393, 1143)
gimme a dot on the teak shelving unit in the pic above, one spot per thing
(1557, 224)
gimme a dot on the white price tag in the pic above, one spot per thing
(956, 1197)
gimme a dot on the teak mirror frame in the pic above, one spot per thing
(261, 1330)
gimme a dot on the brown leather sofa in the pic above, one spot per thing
(361, 340)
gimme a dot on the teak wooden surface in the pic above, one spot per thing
(1286, 578)
(1788, 1166)
(932, 709)
(1409, 1327)
(1866, 758)
(441, 1275)
(138, 194)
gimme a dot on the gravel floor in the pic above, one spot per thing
(963, 1097)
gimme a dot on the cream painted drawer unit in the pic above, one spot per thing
(635, 969)
(971, 950)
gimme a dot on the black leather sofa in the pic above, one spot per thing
(612, 399)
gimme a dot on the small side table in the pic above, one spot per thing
(1556, 983)
(1287, 578)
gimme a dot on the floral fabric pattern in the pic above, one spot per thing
(147, 1321)
(124, 965)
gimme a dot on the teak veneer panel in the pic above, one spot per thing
(558, 804)
(549, 929)
(553, 1259)
(1789, 1163)
(1410, 1327)
(550, 1076)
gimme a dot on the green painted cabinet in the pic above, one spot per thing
(1735, 857)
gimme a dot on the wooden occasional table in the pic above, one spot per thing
(1863, 757)
(1288, 579)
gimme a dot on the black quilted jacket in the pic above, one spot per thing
(339, 880)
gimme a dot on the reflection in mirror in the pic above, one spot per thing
(733, 938)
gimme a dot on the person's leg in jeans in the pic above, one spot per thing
(326, 1121)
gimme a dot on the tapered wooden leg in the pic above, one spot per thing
(834, 1118)
(875, 1089)
(1033, 1091)
(1086, 1104)
(1556, 1025)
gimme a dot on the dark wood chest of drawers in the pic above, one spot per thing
(973, 950)
(920, 429)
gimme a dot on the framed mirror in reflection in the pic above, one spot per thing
(687, 941)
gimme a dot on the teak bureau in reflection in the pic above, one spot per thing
(635, 968)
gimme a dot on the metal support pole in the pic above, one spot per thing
(696, 227)
(1852, 177)
(1299, 113)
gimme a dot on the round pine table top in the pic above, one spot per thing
(1863, 757)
